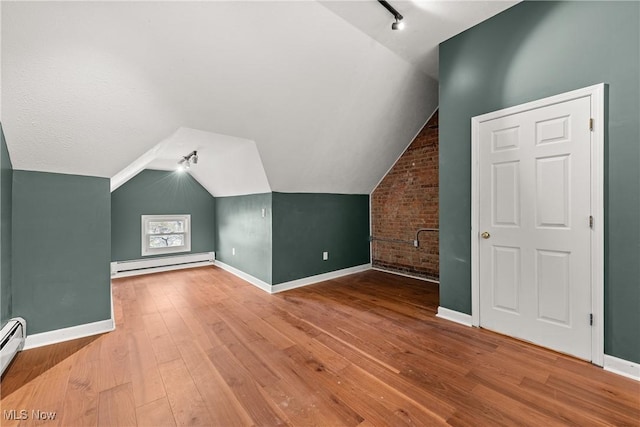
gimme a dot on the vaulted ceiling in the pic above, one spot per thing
(320, 96)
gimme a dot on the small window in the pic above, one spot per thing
(166, 234)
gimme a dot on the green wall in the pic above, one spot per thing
(61, 244)
(153, 192)
(240, 225)
(307, 224)
(530, 51)
(6, 185)
(287, 244)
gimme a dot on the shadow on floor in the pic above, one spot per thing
(30, 364)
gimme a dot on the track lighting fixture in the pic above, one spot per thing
(185, 162)
(398, 25)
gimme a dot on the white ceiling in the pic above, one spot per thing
(326, 93)
(427, 24)
(226, 166)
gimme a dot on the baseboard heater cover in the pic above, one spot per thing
(13, 335)
(141, 266)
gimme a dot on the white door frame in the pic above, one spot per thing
(596, 94)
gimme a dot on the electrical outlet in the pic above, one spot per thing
(325, 256)
(264, 212)
(233, 251)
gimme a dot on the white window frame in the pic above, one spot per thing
(146, 250)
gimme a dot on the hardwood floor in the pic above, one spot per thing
(202, 347)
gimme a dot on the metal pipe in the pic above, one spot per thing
(416, 242)
(382, 239)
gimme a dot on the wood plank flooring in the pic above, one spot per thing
(202, 347)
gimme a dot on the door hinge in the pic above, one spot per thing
(590, 124)
(590, 319)
(590, 221)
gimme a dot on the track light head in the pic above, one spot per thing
(185, 162)
(398, 25)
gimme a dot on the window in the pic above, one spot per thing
(166, 234)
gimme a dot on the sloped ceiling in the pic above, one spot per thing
(90, 87)
(227, 166)
(428, 23)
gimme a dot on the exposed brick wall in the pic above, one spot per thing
(405, 201)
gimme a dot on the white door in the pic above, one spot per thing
(534, 247)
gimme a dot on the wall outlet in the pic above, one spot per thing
(325, 256)
(233, 251)
(264, 212)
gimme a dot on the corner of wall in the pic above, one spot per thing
(58, 286)
(6, 230)
(306, 226)
(243, 234)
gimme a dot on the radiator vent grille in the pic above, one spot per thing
(12, 335)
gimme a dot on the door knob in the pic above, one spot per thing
(485, 235)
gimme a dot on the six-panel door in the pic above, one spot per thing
(534, 192)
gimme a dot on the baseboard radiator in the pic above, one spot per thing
(13, 335)
(154, 265)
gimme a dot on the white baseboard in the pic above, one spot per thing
(70, 333)
(244, 276)
(281, 287)
(397, 273)
(622, 367)
(454, 316)
(160, 264)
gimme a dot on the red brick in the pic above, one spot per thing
(404, 201)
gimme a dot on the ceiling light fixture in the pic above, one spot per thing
(185, 162)
(398, 25)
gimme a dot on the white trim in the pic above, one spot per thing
(244, 276)
(159, 264)
(139, 164)
(597, 234)
(454, 316)
(596, 94)
(622, 367)
(144, 234)
(12, 336)
(371, 228)
(319, 278)
(66, 334)
(161, 269)
(397, 273)
(281, 287)
(475, 219)
(113, 315)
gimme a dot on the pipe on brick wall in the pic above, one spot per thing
(382, 239)
(416, 242)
